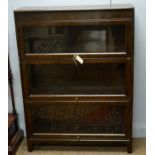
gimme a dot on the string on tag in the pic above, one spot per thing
(75, 60)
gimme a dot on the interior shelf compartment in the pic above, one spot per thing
(86, 79)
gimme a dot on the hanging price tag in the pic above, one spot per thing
(79, 59)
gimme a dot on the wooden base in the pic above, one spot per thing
(32, 142)
(15, 142)
(129, 147)
(29, 146)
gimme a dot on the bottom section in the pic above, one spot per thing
(79, 123)
(85, 142)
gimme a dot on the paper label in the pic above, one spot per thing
(79, 59)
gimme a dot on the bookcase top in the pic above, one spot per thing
(75, 8)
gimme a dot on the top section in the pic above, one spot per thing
(75, 8)
(94, 32)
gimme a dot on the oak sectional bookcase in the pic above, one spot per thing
(77, 74)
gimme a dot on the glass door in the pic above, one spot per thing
(69, 79)
(78, 118)
(75, 39)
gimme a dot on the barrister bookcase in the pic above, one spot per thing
(76, 68)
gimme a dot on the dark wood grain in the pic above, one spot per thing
(51, 81)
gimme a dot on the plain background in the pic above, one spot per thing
(139, 113)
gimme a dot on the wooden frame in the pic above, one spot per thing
(125, 16)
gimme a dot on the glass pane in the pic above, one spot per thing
(75, 39)
(71, 79)
(78, 118)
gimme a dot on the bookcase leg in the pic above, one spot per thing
(129, 147)
(30, 146)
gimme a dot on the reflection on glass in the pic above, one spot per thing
(78, 118)
(75, 39)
